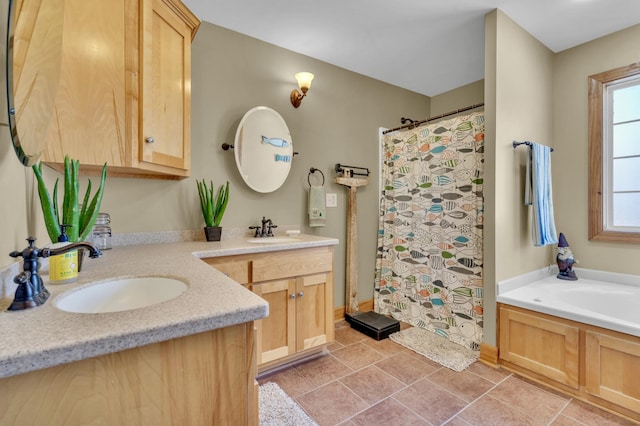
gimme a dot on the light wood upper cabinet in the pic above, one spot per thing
(125, 93)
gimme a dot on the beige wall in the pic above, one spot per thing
(13, 207)
(467, 95)
(519, 105)
(337, 123)
(570, 170)
(533, 94)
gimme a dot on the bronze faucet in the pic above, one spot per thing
(266, 230)
(31, 291)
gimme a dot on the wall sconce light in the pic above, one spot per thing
(304, 81)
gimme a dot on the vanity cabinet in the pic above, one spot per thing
(201, 379)
(298, 284)
(591, 363)
(124, 97)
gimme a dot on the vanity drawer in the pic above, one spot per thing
(259, 267)
(292, 263)
(235, 267)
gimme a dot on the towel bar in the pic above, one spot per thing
(516, 143)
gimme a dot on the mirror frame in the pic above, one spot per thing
(264, 167)
(41, 42)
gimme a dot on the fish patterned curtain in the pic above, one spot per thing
(429, 258)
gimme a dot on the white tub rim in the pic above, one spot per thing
(512, 292)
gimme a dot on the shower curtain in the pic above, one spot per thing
(429, 258)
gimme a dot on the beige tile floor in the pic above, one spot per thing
(367, 382)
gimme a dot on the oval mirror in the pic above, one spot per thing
(33, 55)
(263, 149)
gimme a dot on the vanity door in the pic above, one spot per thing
(314, 316)
(276, 334)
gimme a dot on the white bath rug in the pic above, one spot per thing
(276, 408)
(436, 348)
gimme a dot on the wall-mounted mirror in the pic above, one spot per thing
(263, 149)
(33, 55)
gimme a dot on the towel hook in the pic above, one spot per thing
(311, 171)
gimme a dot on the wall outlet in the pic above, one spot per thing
(331, 200)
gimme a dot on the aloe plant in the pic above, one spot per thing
(213, 207)
(79, 221)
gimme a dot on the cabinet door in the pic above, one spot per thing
(612, 369)
(314, 322)
(165, 138)
(276, 333)
(89, 119)
(543, 346)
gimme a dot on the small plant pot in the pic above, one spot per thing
(213, 233)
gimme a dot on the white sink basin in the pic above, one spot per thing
(120, 295)
(273, 240)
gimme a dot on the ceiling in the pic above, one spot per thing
(427, 46)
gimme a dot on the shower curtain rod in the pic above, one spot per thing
(446, 114)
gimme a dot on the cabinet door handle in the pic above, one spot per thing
(293, 296)
(300, 294)
(149, 139)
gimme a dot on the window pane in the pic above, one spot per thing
(626, 139)
(626, 174)
(625, 209)
(626, 104)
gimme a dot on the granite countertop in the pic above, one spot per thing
(46, 336)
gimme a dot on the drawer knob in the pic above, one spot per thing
(149, 139)
(293, 296)
(300, 294)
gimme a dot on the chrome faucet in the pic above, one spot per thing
(31, 291)
(265, 230)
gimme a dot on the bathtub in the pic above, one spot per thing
(602, 299)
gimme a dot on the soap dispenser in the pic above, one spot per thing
(63, 268)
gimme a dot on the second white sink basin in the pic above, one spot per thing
(120, 295)
(273, 240)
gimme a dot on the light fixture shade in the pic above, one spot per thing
(304, 80)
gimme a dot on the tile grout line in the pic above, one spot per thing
(408, 385)
(405, 385)
(352, 371)
(541, 387)
(476, 399)
(560, 412)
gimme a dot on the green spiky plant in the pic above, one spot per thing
(79, 221)
(213, 207)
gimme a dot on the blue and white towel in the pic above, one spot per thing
(538, 193)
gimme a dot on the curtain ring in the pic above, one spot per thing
(313, 170)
